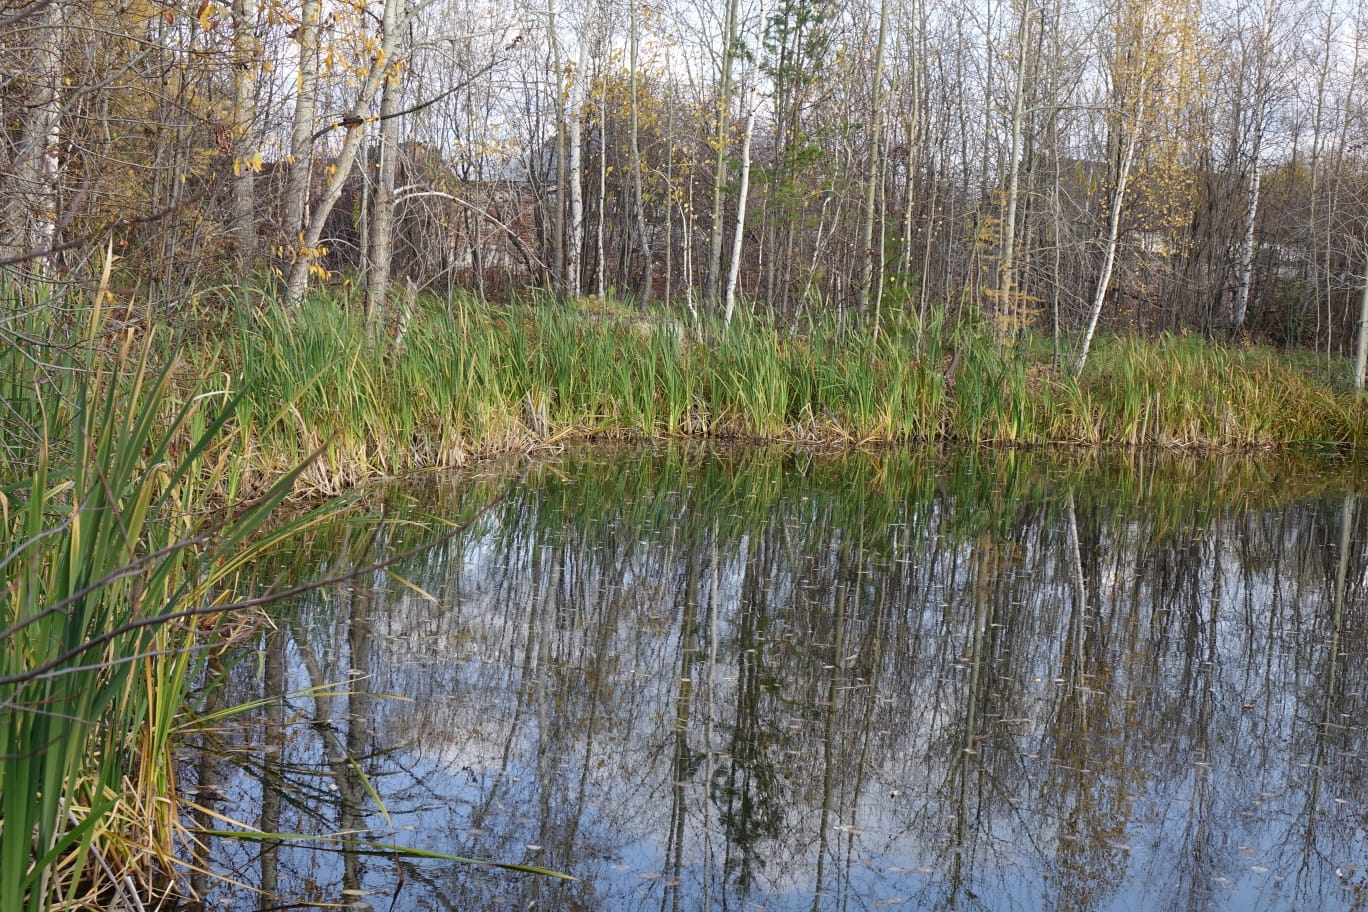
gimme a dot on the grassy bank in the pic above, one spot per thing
(463, 380)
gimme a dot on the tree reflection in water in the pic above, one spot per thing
(750, 679)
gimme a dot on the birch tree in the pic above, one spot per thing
(738, 235)
(246, 149)
(1261, 74)
(1130, 75)
(1361, 348)
(299, 161)
(634, 154)
(1150, 48)
(380, 250)
(730, 40)
(395, 22)
(31, 205)
(1008, 303)
(559, 91)
(872, 262)
(574, 266)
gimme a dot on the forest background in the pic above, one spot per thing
(1186, 166)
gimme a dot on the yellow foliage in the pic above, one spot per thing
(279, 14)
(251, 163)
(208, 15)
(1160, 79)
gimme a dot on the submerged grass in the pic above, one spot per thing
(469, 379)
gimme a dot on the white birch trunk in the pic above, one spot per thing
(574, 267)
(1241, 303)
(558, 282)
(380, 250)
(30, 211)
(354, 124)
(638, 195)
(600, 255)
(872, 260)
(721, 141)
(1361, 356)
(1007, 290)
(1113, 233)
(245, 157)
(734, 272)
(301, 135)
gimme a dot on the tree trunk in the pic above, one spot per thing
(1008, 317)
(380, 252)
(1241, 303)
(394, 25)
(738, 239)
(1113, 232)
(1259, 112)
(574, 265)
(872, 260)
(558, 281)
(30, 208)
(600, 252)
(246, 159)
(297, 175)
(1324, 65)
(638, 195)
(1361, 357)
(721, 142)
(669, 201)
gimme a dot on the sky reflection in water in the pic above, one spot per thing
(756, 680)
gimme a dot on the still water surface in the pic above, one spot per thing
(746, 680)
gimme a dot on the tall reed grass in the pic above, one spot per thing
(468, 379)
(114, 571)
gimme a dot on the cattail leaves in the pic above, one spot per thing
(475, 378)
(111, 562)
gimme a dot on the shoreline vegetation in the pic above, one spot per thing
(316, 394)
(455, 381)
(140, 477)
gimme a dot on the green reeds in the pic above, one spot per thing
(471, 379)
(113, 572)
(1181, 391)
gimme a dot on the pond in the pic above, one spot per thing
(746, 679)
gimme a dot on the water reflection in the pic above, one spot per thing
(760, 680)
